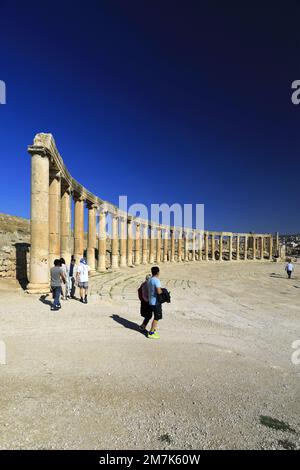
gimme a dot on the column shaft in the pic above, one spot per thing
(91, 241)
(54, 216)
(230, 247)
(158, 245)
(254, 248)
(246, 248)
(79, 229)
(145, 244)
(65, 230)
(261, 247)
(221, 248)
(152, 245)
(114, 243)
(172, 246)
(123, 227)
(39, 225)
(271, 247)
(179, 246)
(129, 243)
(137, 260)
(102, 242)
(213, 247)
(206, 247)
(186, 246)
(166, 245)
(237, 247)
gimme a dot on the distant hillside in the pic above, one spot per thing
(12, 224)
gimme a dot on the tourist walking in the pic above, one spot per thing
(154, 290)
(72, 278)
(65, 291)
(82, 278)
(289, 269)
(144, 309)
(57, 277)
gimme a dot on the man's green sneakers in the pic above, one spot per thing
(154, 335)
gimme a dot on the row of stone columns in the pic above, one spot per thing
(132, 241)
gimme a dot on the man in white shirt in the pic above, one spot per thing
(82, 279)
(289, 269)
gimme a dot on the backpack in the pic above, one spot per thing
(140, 292)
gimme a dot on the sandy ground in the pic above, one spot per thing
(220, 377)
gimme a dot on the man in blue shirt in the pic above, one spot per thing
(154, 289)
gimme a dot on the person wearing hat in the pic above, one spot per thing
(82, 279)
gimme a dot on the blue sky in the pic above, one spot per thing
(162, 101)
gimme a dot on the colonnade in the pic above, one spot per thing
(133, 241)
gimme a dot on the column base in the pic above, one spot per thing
(38, 288)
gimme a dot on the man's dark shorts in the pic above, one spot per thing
(157, 310)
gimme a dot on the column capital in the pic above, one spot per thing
(38, 150)
(54, 174)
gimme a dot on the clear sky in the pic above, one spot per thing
(164, 101)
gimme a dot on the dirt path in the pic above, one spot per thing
(221, 375)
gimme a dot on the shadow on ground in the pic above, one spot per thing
(130, 325)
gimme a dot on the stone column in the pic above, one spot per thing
(277, 252)
(152, 244)
(102, 241)
(237, 247)
(39, 222)
(123, 226)
(254, 248)
(166, 245)
(271, 247)
(78, 228)
(158, 245)
(193, 245)
(137, 260)
(91, 237)
(246, 248)
(261, 248)
(213, 247)
(206, 247)
(54, 216)
(172, 233)
(221, 248)
(114, 242)
(179, 246)
(129, 243)
(65, 227)
(186, 245)
(230, 247)
(200, 247)
(145, 243)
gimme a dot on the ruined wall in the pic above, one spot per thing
(14, 247)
